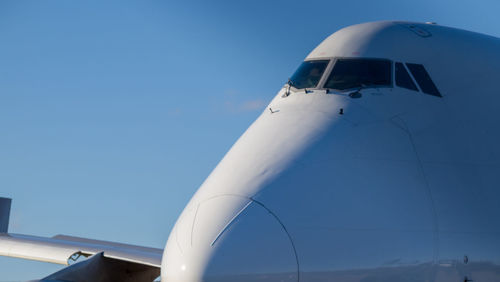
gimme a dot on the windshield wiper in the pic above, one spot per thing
(357, 93)
(290, 84)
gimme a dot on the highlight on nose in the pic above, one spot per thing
(229, 238)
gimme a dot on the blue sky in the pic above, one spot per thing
(112, 113)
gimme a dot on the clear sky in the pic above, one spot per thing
(112, 113)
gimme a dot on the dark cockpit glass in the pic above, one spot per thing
(308, 74)
(403, 79)
(353, 73)
(423, 79)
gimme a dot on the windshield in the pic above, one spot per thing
(353, 73)
(308, 74)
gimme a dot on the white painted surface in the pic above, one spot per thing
(398, 188)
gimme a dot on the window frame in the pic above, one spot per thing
(426, 75)
(333, 62)
(409, 75)
(321, 80)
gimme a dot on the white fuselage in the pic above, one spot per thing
(402, 186)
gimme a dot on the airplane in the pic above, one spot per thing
(378, 160)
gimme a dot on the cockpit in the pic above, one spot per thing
(309, 74)
(343, 74)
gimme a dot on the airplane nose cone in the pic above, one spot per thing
(229, 238)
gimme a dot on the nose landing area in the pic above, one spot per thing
(254, 246)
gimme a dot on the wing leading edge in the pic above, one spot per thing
(121, 261)
(62, 249)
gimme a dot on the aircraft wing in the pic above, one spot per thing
(62, 249)
(115, 261)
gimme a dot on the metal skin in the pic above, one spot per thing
(403, 186)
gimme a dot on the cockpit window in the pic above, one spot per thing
(353, 73)
(403, 79)
(308, 74)
(423, 79)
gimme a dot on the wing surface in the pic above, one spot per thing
(62, 249)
